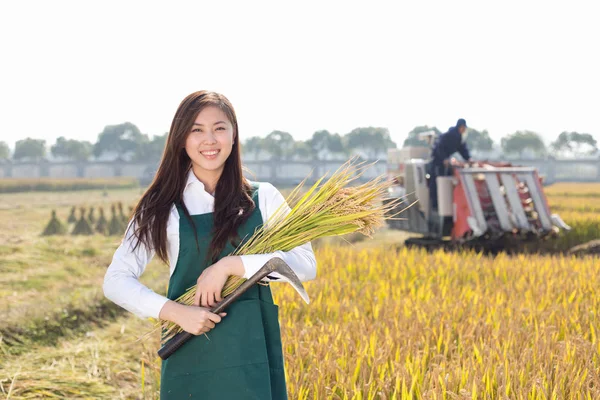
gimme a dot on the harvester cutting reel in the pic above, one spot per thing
(496, 202)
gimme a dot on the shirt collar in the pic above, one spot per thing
(191, 178)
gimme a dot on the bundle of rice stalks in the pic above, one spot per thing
(115, 226)
(54, 227)
(331, 207)
(82, 227)
(122, 215)
(91, 216)
(72, 218)
(102, 223)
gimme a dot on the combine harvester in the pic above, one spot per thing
(484, 205)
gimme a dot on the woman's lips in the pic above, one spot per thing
(210, 154)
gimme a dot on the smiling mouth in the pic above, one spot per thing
(210, 153)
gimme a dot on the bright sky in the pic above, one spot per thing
(70, 68)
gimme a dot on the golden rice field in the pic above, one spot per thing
(11, 185)
(384, 322)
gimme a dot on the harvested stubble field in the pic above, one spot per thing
(384, 322)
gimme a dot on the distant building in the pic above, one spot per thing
(326, 154)
(261, 155)
(114, 156)
(369, 154)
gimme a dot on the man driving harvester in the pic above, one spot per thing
(447, 144)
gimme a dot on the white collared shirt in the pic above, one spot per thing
(121, 281)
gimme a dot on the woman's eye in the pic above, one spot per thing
(221, 128)
(196, 130)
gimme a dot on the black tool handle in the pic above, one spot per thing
(182, 337)
(173, 344)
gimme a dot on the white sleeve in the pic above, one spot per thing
(301, 259)
(121, 284)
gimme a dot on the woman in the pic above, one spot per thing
(196, 211)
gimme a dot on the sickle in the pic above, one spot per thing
(275, 264)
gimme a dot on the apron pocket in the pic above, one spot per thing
(270, 312)
(274, 350)
(239, 339)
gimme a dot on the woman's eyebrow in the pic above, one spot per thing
(218, 122)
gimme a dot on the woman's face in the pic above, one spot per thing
(210, 140)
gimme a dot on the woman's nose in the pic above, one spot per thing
(210, 138)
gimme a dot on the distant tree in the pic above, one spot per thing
(477, 140)
(4, 151)
(158, 144)
(323, 139)
(33, 149)
(72, 149)
(371, 140)
(520, 141)
(60, 148)
(574, 143)
(141, 150)
(303, 149)
(253, 145)
(121, 139)
(150, 149)
(279, 144)
(413, 136)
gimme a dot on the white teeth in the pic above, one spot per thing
(210, 153)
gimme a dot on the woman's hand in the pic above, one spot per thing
(211, 281)
(198, 320)
(192, 319)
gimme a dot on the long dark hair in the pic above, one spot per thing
(233, 191)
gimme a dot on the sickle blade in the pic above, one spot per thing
(283, 269)
(301, 292)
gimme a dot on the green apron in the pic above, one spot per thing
(242, 357)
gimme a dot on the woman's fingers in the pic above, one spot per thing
(215, 317)
(213, 298)
(199, 320)
(210, 284)
(204, 329)
(196, 297)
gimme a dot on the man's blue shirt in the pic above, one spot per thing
(447, 144)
